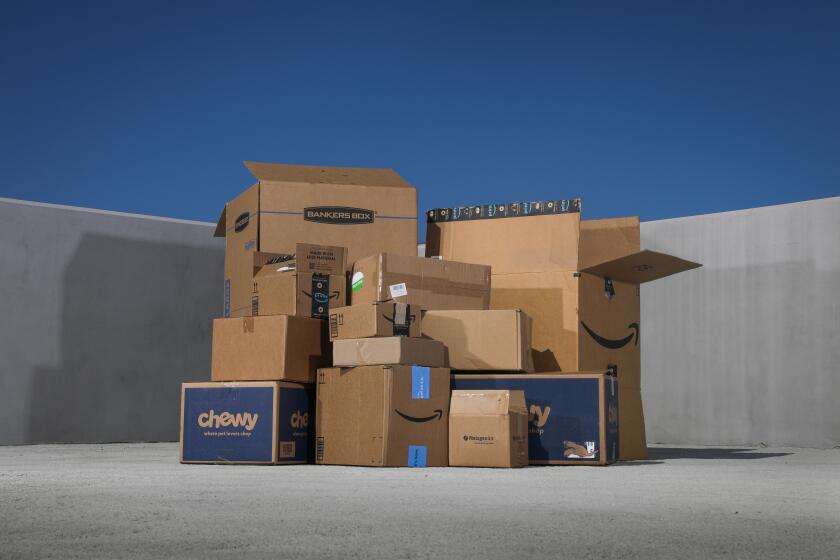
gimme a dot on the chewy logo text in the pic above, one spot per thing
(299, 420)
(225, 419)
(539, 415)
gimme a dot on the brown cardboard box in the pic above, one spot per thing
(482, 340)
(378, 319)
(488, 429)
(388, 350)
(429, 283)
(272, 348)
(366, 210)
(382, 416)
(578, 280)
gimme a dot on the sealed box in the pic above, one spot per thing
(488, 428)
(428, 283)
(482, 340)
(573, 417)
(382, 416)
(256, 422)
(352, 352)
(377, 319)
(271, 348)
(368, 211)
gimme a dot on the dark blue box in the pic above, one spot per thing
(245, 422)
(573, 417)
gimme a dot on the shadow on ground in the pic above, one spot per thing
(661, 453)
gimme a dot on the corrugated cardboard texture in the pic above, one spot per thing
(483, 340)
(375, 320)
(488, 429)
(388, 350)
(304, 294)
(368, 416)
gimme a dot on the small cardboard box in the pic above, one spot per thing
(573, 417)
(488, 429)
(272, 348)
(261, 422)
(353, 352)
(378, 319)
(428, 283)
(482, 340)
(382, 416)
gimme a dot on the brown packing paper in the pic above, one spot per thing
(488, 428)
(388, 350)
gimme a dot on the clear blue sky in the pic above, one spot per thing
(659, 109)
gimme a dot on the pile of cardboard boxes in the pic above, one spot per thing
(514, 341)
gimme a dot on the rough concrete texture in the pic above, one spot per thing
(136, 501)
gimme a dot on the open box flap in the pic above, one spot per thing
(641, 267)
(284, 173)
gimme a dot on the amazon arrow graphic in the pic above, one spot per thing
(614, 344)
(438, 414)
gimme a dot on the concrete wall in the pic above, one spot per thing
(104, 314)
(746, 350)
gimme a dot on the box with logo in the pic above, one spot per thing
(373, 320)
(577, 279)
(382, 416)
(428, 283)
(352, 352)
(271, 348)
(488, 428)
(497, 339)
(368, 211)
(259, 422)
(573, 417)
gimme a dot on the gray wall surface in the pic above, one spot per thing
(745, 350)
(104, 314)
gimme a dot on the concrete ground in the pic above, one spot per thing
(137, 501)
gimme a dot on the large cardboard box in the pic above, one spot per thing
(382, 416)
(428, 283)
(272, 348)
(257, 422)
(377, 319)
(482, 340)
(578, 280)
(573, 417)
(488, 428)
(388, 350)
(366, 210)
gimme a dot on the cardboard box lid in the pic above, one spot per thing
(490, 401)
(641, 267)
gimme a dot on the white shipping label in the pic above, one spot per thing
(398, 290)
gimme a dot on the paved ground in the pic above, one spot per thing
(136, 501)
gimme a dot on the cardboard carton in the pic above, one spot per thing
(482, 340)
(382, 416)
(577, 280)
(428, 283)
(262, 422)
(573, 417)
(378, 319)
(368, 211)
(488, 429)
(388, 350)
(272, 348)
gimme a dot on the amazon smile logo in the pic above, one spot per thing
(611, 343)
(437, 415)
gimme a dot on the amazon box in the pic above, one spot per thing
(427, 283)
(573, 417)
(262, 423)
(382, 416)
(388, 350)
(271, 348)
(375, 320)
(488, 428)
(482, 340)
(368, 211)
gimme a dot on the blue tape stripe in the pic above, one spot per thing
(416, 455)
(420, 383)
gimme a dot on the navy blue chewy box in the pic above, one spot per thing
(263, 422)
(572, 417)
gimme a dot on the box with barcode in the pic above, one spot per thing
(375, 320)
(245, 422)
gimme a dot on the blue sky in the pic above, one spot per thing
(659, 109)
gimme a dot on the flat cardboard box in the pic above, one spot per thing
(368, 211)
(382, 416)
(271, 348)
(482, 340)
(573, 417)
(352, 352)
(250, 422)
(488, 428)
(375, 320)
(428, 283)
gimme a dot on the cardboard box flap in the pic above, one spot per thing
(221, 225)
(605, 240)
(284, 173)
(641, 267)
(499, 401)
